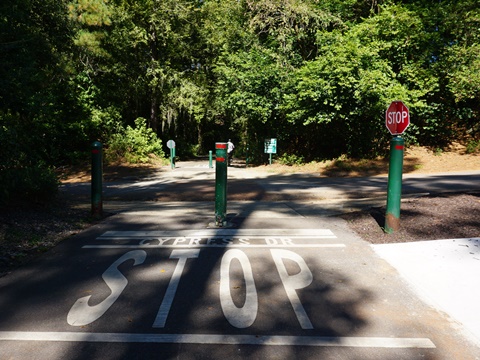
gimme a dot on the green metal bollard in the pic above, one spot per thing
(210, 165)
(172, 157)
(221, 184)
(394, 192)
(97, 178)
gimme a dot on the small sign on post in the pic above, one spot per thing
(270, 148)
(171, 146)
(397, 118)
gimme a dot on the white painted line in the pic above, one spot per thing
(362, 342)
(222, 232)
(311, 237)
(213, 246)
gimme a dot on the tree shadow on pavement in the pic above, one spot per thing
(39, 296)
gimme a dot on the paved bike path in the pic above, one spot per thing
(149, 284)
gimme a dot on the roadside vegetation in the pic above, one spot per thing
(315, 75)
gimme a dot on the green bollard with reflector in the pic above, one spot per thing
(210, 165)
(394, 191)
(221, 184)
(97, 179)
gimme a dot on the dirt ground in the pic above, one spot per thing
(27, 232)
(417, 160)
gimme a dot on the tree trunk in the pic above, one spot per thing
(154, 113)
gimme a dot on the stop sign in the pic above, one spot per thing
(397, 118)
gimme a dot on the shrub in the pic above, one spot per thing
(24, 174)
(135, 145)
(33, 184)
(291, 159)
(472, 146)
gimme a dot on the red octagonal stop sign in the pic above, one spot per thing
(397, 118)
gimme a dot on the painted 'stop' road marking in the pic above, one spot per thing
(234, 267)
(221, 238)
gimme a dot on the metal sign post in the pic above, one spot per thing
(394, 192)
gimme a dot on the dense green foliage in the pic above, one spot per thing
(136, 144)
(316, 75)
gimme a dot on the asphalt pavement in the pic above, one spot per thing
(197, 177)
(285, 279)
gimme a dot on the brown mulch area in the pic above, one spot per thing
(445, 216)
(29, 230)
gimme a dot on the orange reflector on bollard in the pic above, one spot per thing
(220, 146)
(220, 159)
(398, 147)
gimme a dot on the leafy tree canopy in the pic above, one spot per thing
(317, 75)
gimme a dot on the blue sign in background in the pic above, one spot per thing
(270, 146)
